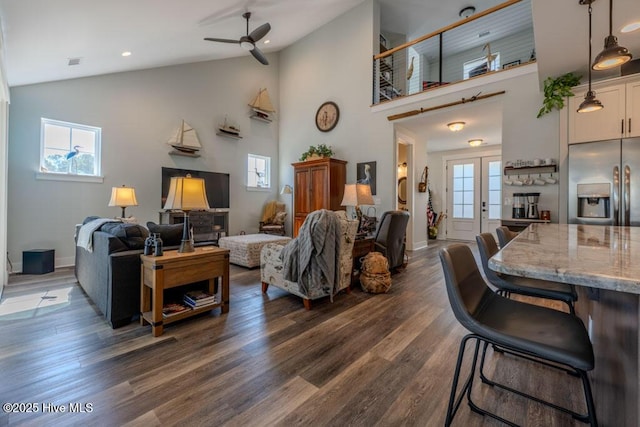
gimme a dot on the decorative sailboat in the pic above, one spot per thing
(229, 130)
(186, 140)
(262, 106)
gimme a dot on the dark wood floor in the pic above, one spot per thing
(363, 360)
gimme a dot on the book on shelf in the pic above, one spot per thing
(199, 298)
(172, 309)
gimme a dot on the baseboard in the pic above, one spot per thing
(419, 245)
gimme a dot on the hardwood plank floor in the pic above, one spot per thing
(363, 360)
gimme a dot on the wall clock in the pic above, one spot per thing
(327, 116)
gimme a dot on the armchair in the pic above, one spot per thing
(273, 218)
(390, 238)
(272, 266)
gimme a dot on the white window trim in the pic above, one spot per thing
(59, 176)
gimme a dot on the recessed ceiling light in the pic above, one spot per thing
(267, 41)
(126, 53)
(475, 142)
(455, 126)
(633, 26)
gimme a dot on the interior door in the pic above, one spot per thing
(491, 194)
(463, 198)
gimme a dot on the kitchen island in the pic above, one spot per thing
(604, 264)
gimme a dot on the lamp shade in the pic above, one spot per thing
(357, 194)
(123, 196)
(286, 189)
(186, 193)
(590, 103)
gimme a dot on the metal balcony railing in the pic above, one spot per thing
(490, 41)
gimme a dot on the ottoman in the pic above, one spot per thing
(245, 249)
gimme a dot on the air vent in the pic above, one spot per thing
(484, 34)
(73, 61)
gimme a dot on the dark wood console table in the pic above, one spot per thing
(208, 226)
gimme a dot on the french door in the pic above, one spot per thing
(474, 196)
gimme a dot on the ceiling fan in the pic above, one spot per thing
(249, 41)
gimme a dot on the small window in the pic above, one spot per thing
(69, 148)
(258, 171)
(478, 66)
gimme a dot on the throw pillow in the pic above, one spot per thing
(132, 235)
(279, 218)
(171, 234)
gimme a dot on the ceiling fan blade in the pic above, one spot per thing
(260, 32)
(221, 40)
(259, 56)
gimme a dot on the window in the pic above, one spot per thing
(258, 171)
(69, 148)
(463, 191)
(479, 66)
(495, 189)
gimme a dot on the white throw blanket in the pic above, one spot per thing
(85, 235)
(313, 255)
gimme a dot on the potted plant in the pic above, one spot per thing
(319, 151)
(555, 90)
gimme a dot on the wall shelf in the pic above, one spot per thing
(531, 170)
(228, 135)
(260, 119)
(183, 153)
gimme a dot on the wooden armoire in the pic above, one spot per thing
(318, 184)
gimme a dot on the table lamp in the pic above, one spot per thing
(123, 197)
(186, 194)
(356, 195)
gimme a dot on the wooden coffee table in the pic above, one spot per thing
(178, 269)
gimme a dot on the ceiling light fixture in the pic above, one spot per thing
(475, 142)
(126, 53)
(590, 102)
(613, 55)
(630, 27)
(466, 12)
(456, 126)
(267, 41)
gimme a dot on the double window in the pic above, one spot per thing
(69, 148)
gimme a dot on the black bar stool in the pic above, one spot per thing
(507, 284)
(526, 330)
(505, 235)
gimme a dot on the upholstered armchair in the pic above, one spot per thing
(273, 218)
(390, 237)
(271, 266)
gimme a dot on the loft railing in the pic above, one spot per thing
(490, 41)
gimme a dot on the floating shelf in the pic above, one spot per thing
(260, 119)
(228, 135)
(531, 170)
(182, 153)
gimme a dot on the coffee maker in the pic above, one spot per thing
(518, 209)
(532, 205)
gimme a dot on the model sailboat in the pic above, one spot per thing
(186, 140)
(262, 106)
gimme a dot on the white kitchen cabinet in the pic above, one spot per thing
(620, 117)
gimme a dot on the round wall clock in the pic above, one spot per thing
(327, 116)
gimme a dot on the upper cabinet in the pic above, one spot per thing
(620, 117)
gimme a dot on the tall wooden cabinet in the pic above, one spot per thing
(318, 184)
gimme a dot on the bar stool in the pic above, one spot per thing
(536, 333)
(507, 284)
(505, 235)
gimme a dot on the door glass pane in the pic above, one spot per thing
(463, 191)
(495, 189)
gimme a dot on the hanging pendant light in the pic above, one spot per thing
(613, 54)
(590, 102)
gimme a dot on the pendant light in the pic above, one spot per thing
(590, 102)
(613, 55)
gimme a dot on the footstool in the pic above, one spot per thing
(245, 249)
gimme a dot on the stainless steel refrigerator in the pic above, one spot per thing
(604, 182)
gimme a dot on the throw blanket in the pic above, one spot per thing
(85, 235)
(312, 258)
(269, 211)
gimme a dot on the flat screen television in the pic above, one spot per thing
(217, 185)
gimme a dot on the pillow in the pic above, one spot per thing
(132, 235)
(171, 234)
(279, 218)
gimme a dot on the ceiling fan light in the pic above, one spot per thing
(590, 103)
(456, 126)
(613, 55)
(475, 142)
(246, 45)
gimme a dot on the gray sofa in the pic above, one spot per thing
(110, 274)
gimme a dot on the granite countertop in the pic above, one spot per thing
(604, 257)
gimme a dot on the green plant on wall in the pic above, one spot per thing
(555, 90)
(321, 150)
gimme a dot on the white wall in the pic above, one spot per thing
(137, 111)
